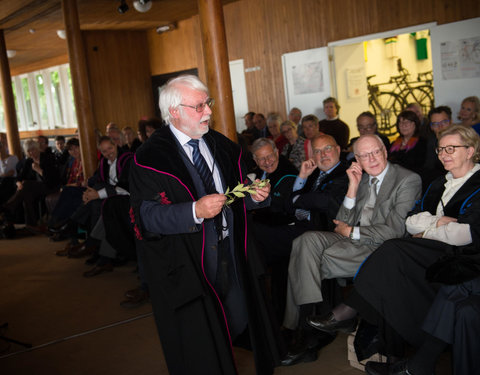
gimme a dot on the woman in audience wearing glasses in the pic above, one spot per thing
(409, 149)
(397, 284)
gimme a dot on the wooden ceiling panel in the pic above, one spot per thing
(45, 17)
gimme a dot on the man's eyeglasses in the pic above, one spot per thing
(201, 107)
(268, 158)
(450, 149)
(440, 123)
(374, 154)
(325, 150)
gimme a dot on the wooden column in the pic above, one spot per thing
(217, 67)
(9, 102)
(81, 88)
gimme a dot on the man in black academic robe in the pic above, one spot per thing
(201, 268)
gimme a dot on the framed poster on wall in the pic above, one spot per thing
(306, 77)
(456, 62)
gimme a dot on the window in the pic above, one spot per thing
(43, 100)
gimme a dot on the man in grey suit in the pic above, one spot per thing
(373, 211)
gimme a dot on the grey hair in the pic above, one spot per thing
(30, 144)
(261, 142)
(171, 95)
(274, 117)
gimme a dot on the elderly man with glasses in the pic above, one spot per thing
(201, 268)
(373, 211)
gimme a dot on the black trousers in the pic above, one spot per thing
(28, 196)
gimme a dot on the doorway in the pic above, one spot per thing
(383, 73)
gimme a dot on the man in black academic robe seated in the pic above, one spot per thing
(110, 181)
(281, 174)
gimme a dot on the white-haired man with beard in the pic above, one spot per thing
(201, 269)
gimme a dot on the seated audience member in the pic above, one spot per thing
(4, 140)
(43, 144)
(132, 142)
(261, 124)
(251, 132)
(61, 153)
(408, 150)
(281, 174)
(469, 114)
(294, 150)
(396, 286)
(7, 173)
(310, 129)
(424, 129)
(116, 135)
(318, 192)
(38, 178)
(110, 179)
(366, 124)
(295, 115)
(142, 135)
(373, 211)
(440, 118)
(72, 175)
(273, 124)
(151, 125)
(69, 199)
(332, 125)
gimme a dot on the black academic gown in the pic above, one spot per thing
(190, 317)
(281, 181)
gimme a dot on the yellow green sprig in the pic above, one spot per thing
(241, 190)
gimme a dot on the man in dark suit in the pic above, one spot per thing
(260, 123)
(318, 192)
(366, 124)
(201, 269)
(374, 210)
(314, 199)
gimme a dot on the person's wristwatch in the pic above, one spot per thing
(351, 234)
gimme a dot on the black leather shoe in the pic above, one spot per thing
(328, 323)
(308, 355)
(384, 368)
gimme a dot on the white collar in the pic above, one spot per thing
(181, 136)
